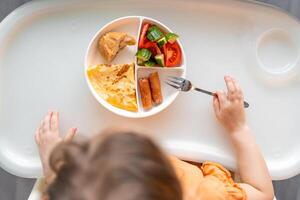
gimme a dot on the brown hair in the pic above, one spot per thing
(119, 166)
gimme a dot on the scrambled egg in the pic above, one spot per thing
(115, 84)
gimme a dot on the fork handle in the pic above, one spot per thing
(205, 91)
(246, 104)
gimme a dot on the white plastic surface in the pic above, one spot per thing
(42, 49)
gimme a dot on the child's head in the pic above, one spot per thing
(116, 166)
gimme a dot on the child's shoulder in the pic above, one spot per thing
(185, 167)
(207, 181)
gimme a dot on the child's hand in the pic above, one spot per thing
(229, 110)
(229, 107)
(47, 137)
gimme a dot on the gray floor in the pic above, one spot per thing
(15, 188)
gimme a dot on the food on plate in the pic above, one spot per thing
(155, 88)
(150, 90)
(154, 33)
(163, 48)
(171, 37)
(112, 42)
(145, 92)
(162, 41)
(153, 47)
(143, 39)
(115, 84)
(160, 59)
(172, 54)
(149, 63)
(143, 54)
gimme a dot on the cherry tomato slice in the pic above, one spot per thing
(143, 39)
(152, 46)
(172, 54)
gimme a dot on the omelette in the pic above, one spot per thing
(115, 84)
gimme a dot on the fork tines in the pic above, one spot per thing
(172, 85)
(175, 82)
(177, 78)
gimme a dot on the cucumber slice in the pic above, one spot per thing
(162, 41)
(171, 37)
(160, 59)
(149, 63)
(140, 62)
(143, 54)
(154, 33)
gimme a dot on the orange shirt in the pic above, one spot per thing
(211, 181)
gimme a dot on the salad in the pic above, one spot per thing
(157, 48)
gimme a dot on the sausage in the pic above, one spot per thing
(145, 93)
(155, 88)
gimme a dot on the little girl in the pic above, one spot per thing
(122, 165)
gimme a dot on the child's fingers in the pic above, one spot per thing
(42, 124)
(37, 136)
(216, 105)
(70, 135)
(240, 95)
(222, 98)
(46, 121)
(229, 84)
(237, 85)
(55, 121)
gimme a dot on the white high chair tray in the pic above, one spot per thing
(42, 49)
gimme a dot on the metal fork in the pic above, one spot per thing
(186, 85)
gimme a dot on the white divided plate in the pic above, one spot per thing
(132, 25)
(42, 49)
